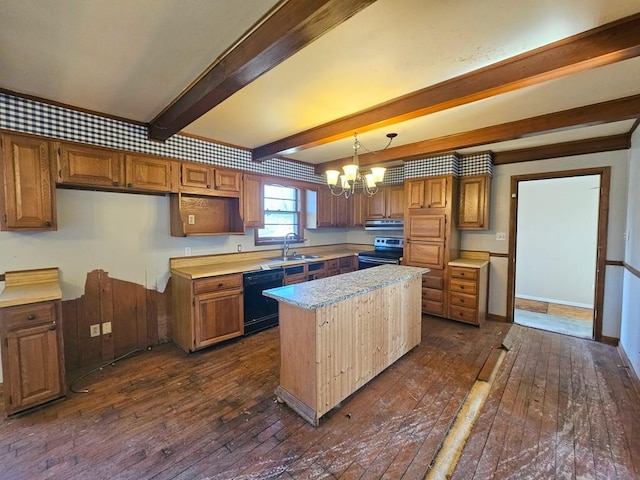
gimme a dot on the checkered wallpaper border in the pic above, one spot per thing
(37, 118)
(431, 167)
(478, 164)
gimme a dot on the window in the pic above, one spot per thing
(281, 214)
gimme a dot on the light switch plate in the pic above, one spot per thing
(106, 328)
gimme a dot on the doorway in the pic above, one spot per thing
(557, 244)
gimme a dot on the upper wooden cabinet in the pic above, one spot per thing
(426, 193)
(387, 203)
(27, 189)
(208, 180)
(473, 209)
(252, 201)
(339, 211)
(108, 169)
(151, 173)
(88, 166)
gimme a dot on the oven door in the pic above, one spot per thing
(368, 262)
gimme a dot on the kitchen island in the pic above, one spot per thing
(338, 333)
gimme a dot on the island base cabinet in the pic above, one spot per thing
(330, 352)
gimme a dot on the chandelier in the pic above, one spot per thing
(345, 183)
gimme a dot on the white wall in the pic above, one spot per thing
(630, 326)
(123, 234)
(557, 240)
(499, 222)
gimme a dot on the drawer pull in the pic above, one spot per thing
(53, 326)
(31, 316)
(220, 285)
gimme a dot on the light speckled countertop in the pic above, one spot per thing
(325, 291)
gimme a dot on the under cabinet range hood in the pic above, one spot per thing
(384, 224)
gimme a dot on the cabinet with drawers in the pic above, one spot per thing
(468, 284)
(207, 311)
(32, 355)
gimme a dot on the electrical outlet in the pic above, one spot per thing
(95, 330)
(191, 219)
(239, 248)
(106, 328)
(501, 236)
(187, 251)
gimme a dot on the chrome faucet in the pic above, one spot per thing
(285, 243)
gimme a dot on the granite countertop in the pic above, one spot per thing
(325, 291)
(30, 286)
(205, 270)
(468, 262)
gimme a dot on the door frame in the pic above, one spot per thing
(601, 245)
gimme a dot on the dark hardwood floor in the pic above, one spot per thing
(164, 414)
(560, 407)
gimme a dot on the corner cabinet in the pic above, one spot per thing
(473, 208)
(27, 188)
(206, 311)
(32, 355)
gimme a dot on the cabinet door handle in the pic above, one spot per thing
(31, 316)
(115, 184)
(53, 325)
(208, 186)
(129, 185)
(220, 285)
(217, 187)
(47, 224)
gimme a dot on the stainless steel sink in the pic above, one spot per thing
(291, 258)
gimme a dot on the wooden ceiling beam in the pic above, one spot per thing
(604, 45)
(286, 31)
(606, 112)
(564, 149)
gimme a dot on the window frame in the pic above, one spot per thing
(299, 213)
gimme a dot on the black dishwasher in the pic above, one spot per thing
(260, 312)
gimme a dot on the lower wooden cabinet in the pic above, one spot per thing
(32, 355)
(207, 311)
(468, 293)
(433, 293)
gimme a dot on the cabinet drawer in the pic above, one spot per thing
(433, 308)
(217, 283)
(462, 272)
(432, 294)
(429, 280)
(462, 299)
(346, 262)
(463, 286)
(332, 264)
(25, 316)
(463, 314)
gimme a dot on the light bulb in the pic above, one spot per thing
(332, 177)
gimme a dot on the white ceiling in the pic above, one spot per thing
(132, 58)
